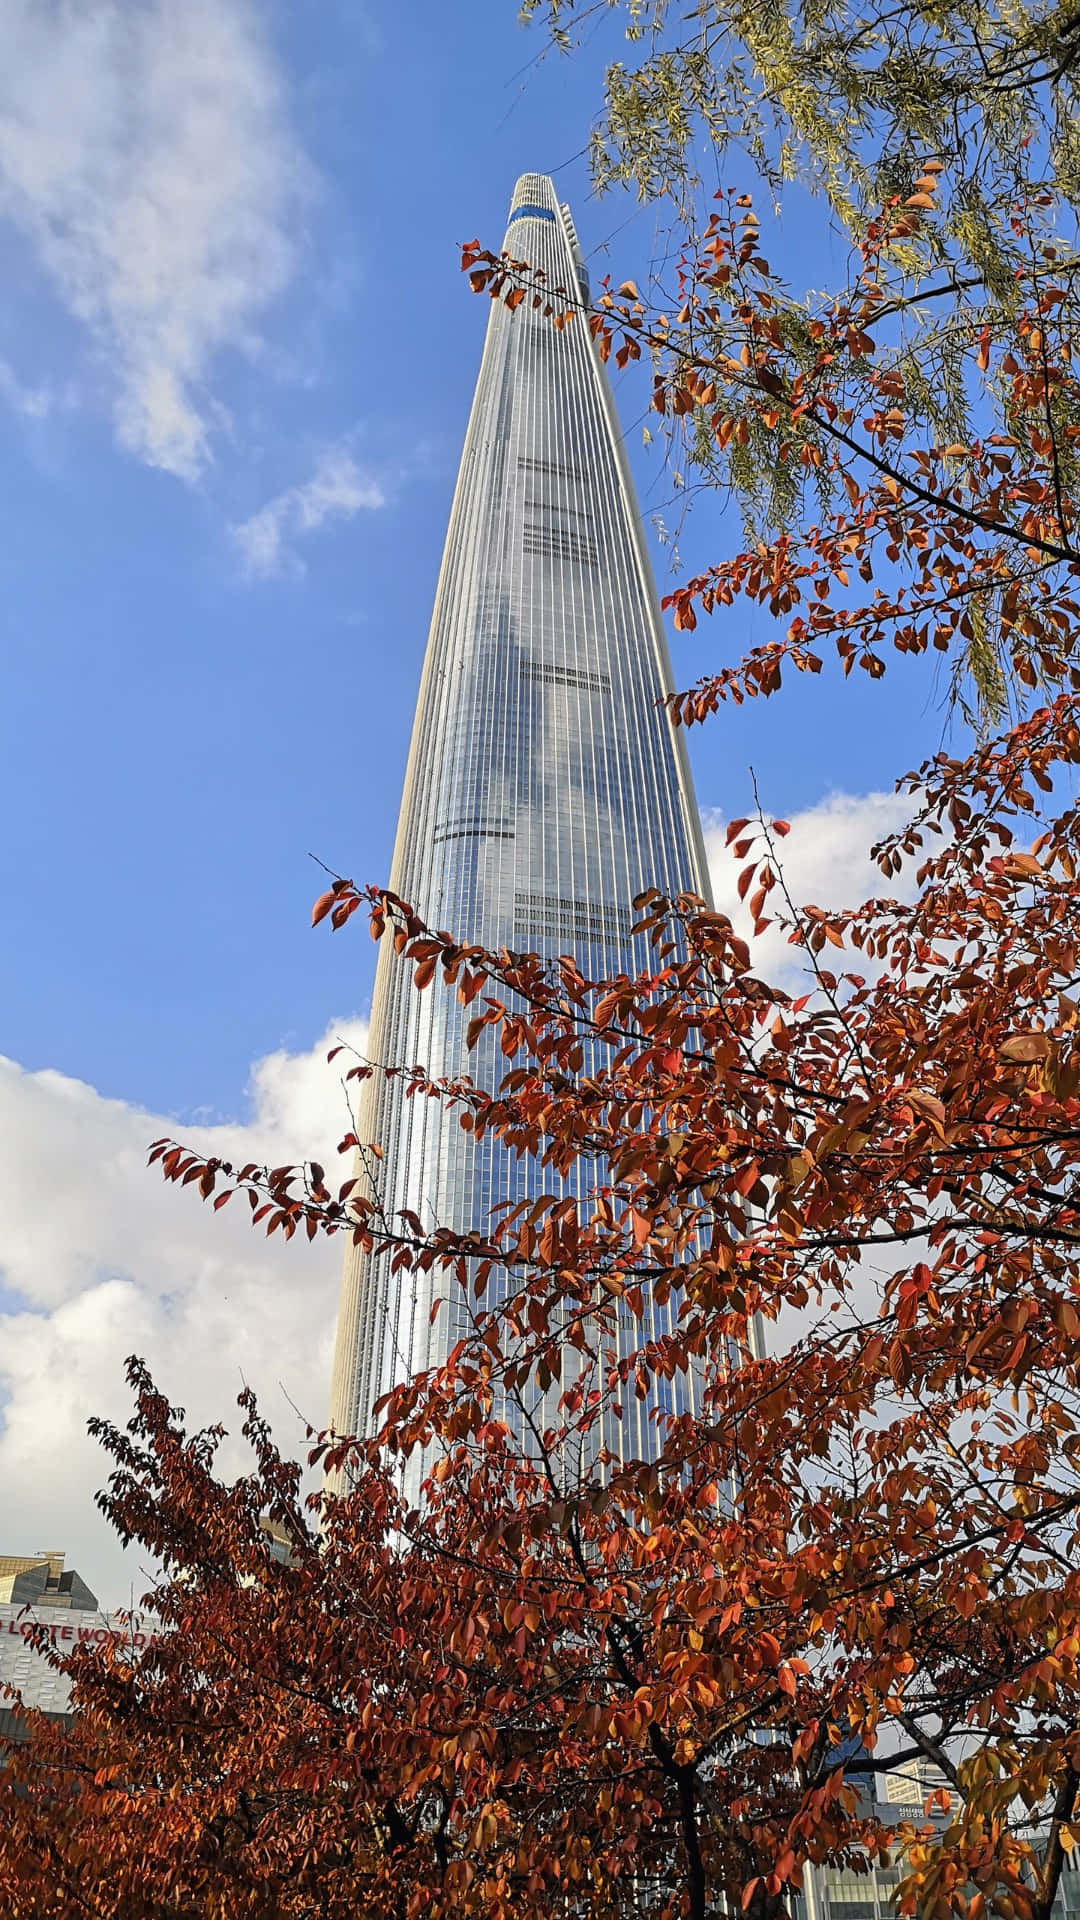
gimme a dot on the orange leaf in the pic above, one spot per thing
(1025, 1047)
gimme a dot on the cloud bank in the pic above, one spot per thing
(146, 158)
(99, 1259)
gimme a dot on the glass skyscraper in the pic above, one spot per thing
(545, 786)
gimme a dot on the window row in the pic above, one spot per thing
(559, 543)
(553, 676)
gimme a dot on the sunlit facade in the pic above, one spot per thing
(865, 1889)
(545, 784)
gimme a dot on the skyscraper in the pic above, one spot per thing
(545, 784)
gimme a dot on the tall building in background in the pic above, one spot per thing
(545, 784)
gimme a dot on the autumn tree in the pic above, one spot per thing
(579, 1683)
(545, 1688)
(431, 1713)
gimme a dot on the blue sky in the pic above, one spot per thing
(236, 358)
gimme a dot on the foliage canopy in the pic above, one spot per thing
(940, 141)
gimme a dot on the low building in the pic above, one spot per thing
(36, 1590)
(40, 1579)
(841, 1893)
(278, 1542)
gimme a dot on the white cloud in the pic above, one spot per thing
(826, 863)
(337, 489)
(145, 156)
(99, 1259)
(34, 403)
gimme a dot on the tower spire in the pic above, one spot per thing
(545, 786)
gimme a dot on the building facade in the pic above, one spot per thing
(844, 1893)
(41, 1579)
(37, 1591)
(545, 787)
